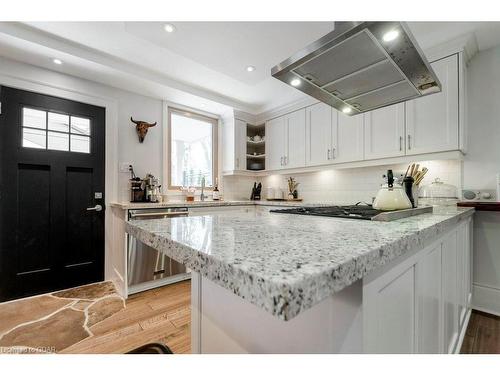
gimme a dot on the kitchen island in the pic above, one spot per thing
(265, 282)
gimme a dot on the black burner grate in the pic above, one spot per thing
(362, 212)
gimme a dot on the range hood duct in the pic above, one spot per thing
(361, 66)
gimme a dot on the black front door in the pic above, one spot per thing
(51, 173)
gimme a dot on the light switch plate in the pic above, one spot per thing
(124, 167)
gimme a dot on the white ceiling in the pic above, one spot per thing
(201, 59)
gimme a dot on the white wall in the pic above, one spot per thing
(146, 157)
(482, 161)
(341, 186)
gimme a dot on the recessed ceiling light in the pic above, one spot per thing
(57, 61)
(390, 35)
(295, 82)
(347, 109)
(250, 68)
(169, 28)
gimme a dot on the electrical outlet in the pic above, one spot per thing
(124, 167)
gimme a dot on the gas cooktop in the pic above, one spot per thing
(362, 212)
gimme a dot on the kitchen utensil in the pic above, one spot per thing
(391, 197)
(408, 187)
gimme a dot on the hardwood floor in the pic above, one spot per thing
(158, 315)
(482, 335)
(164, 315)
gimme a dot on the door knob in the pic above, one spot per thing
(97, 208)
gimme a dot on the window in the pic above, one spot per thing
(55, 131)
(193, 149)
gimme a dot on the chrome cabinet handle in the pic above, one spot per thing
(281, 161)
(285, 160)
(333, 152)
(400, 143)
(328, 154)
(409, 142)
(97, 208)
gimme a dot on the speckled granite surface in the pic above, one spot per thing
(210, 203)
(287, 263)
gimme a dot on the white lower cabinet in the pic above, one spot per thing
(450, 292)
(421, 304)
(428, 293)
(389, 304)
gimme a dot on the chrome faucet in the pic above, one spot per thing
(202, 195)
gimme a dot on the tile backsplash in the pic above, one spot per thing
(342, 186)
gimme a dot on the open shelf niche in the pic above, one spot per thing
(256, 147)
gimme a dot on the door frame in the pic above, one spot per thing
(111, 152)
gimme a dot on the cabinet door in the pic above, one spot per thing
(348, 138)
(240, 145)
(385, 132)
(428, 290)
(275, 143)
(463, 267)
(318, 134)
(449, 287)
(432, 121)
(295, 156)
(389, 322)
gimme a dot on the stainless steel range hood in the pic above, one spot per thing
(361, 66)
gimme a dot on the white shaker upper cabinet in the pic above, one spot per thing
(348, 138)
(319, 134)
(432, 122)
(275, 143)
(240, 145)
(295, 143)
(385, 132)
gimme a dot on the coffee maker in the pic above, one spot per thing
(144, 190)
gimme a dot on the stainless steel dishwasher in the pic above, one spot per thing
(148, 268)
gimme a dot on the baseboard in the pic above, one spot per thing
(132, 289)
(119, 282)
(486, 299)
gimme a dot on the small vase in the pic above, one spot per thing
(290, 196)
(295, 194)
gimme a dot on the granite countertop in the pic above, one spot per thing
(212, 203)
(285, 264)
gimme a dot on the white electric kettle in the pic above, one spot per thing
(391, 197)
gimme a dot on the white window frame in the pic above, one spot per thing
(213, 119)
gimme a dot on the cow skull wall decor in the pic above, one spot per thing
(142, 128)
